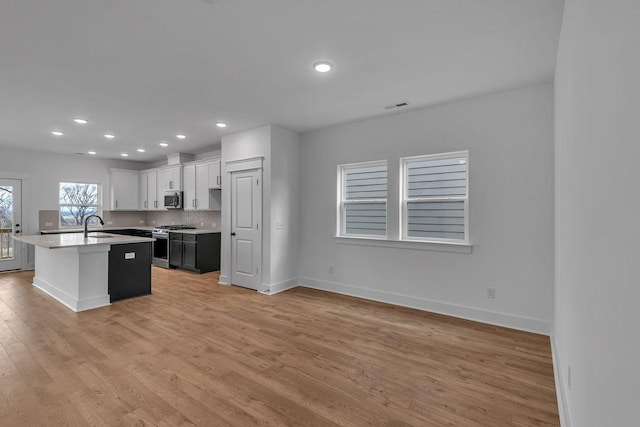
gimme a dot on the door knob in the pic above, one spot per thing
(233, 234)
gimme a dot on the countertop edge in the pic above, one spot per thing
(78, 241)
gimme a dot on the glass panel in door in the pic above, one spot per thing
(10, 251)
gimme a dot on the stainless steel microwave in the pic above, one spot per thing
(173, 200)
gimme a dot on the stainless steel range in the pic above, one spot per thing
(161, 245)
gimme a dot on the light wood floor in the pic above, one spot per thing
(198, 353)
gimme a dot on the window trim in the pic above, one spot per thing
(404, 199)
(98, 204)
(341, 212)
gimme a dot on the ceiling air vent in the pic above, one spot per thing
(399, 105)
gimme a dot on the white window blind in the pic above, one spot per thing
(363, 200)
(435, 197)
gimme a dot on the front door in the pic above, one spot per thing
(246, 228)
(10, 223)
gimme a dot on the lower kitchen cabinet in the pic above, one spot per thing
(129, 270)
(199, 253)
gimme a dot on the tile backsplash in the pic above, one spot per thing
(49, 219)
(199, 219)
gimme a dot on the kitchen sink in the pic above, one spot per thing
(101, 236)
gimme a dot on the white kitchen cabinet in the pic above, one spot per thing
(189, 180)
(125, 189)
(198, 177)
(160, 189)
(143, 193)
(214, 179)
(151, 190)
(202, 186)
(154, 203)
(173, 177)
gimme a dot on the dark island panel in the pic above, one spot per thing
(129, 270)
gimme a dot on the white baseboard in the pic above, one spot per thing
(68, 300)
(223, 280)
(485, 316)
(561, 396)
(94, 302)
(281, 286)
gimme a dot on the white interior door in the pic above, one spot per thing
(246, 228)
(10, 224)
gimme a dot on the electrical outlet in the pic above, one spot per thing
(213, 224)
(569, 377)
(141, 221)
(331, 269)
(109, 222)
(48, 224)
(491, 293)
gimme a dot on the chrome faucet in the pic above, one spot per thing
(86, 224)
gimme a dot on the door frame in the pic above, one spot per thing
(17, 262)
(243, 165)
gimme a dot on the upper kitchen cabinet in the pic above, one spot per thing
(198, 178)
(215, 179)
(173, 177)
(152, 190)
(189, 180)
(124, 190)
(143, 181)
(160, 189)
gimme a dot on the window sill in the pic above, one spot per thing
(461, 248)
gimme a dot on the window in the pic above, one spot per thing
(78, 201)
(363, 200)
(435, 197)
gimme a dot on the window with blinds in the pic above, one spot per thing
(363, 199)
(435, 197)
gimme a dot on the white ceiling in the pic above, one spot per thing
(148, 69)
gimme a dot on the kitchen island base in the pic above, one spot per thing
(74, 268)
(75, 276)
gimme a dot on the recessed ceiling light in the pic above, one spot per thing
(124, 154)
(141, 150)
(164, 144)
(323, 66)
(221, 124)
(180, 136)
(109, 136)
(81, 121)
(57, 133)
(92, 152)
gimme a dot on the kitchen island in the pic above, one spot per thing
(79, 271)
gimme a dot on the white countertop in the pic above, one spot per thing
(97, 229)
(196, 231)
(131, 227)
(74, 240)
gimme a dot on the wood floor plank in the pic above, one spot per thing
(195, 353)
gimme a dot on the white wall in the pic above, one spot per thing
(510, 139)
(597, 210)
(280, 208)
(42, 172)
(285, 208)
